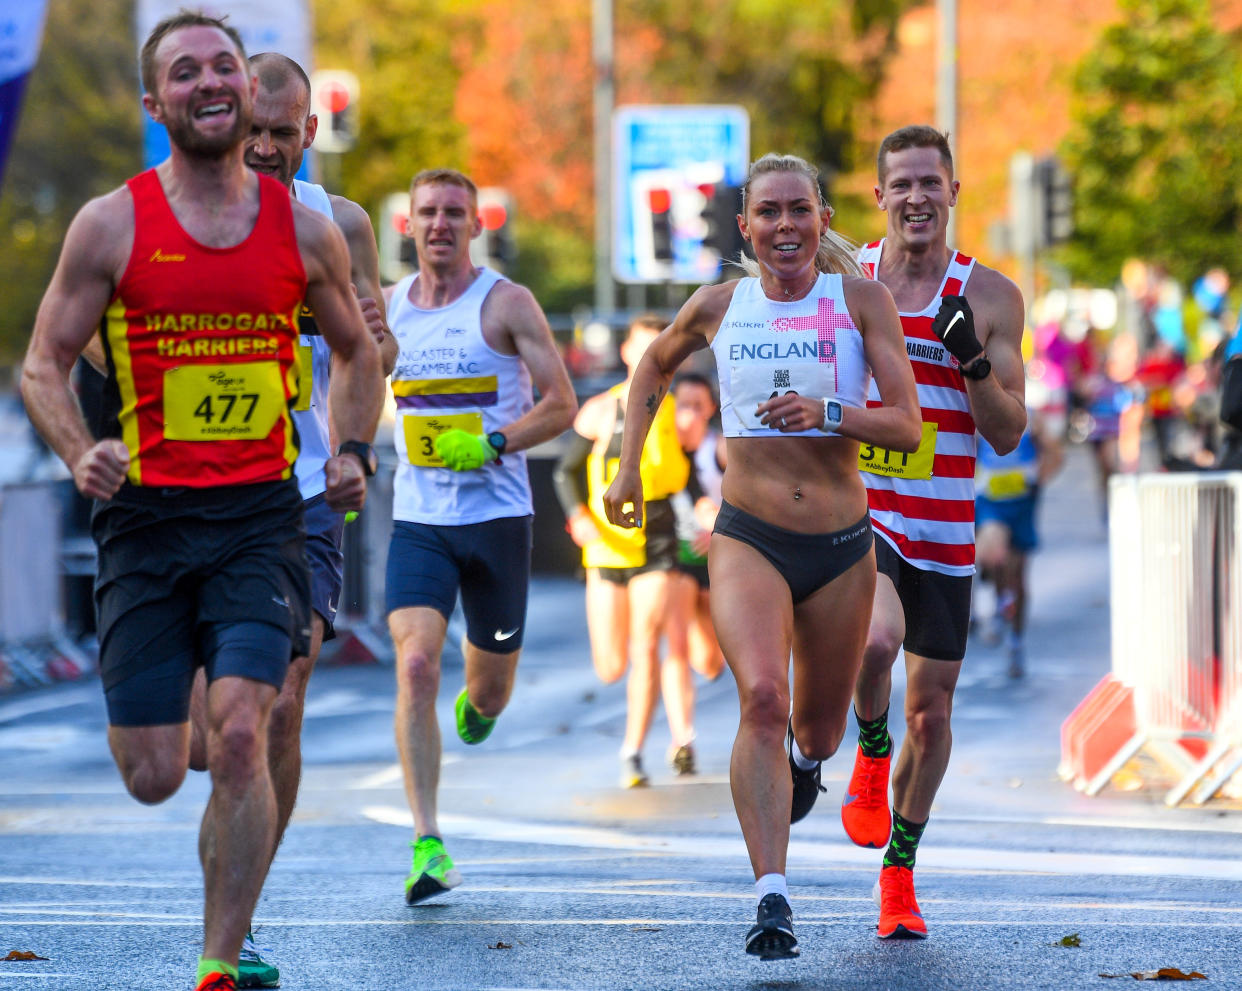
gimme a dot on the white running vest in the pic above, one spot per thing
(448, 377)
(765, 346)
(310, 413)
(923, 504)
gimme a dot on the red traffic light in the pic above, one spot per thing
(334, 96)
(493, 215)
(660, 200)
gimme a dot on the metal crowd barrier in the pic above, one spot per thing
(1175, 544)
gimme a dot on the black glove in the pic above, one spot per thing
(955, 325)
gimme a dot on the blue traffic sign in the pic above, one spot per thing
(667, 163)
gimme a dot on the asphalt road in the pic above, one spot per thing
(573, 883)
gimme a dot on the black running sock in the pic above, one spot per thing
(873, 735)
(904, 843)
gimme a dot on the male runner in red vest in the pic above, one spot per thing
(193, 274)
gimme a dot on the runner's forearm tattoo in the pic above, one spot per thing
(653, 401)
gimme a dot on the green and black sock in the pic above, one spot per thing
(873, 735)
(904, 843)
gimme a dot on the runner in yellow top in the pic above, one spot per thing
(629, 571)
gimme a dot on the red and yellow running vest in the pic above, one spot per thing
(201, 346)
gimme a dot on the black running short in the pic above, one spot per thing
(488, 562)
(177, 569)
(807, 561)
(659, 542)
(936, 606)
(324, 531)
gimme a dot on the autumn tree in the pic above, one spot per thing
(79, 136)
(1154, 146)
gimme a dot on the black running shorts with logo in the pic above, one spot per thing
(177, 569)
(807, 561)
(488, 562)
(325, 530)
(659, 544)
(936, 606)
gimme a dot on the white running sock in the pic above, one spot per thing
(771, 884)
(803, 763)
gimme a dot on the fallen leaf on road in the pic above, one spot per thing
(1163, 974)
(500, 946)
(1071, 940)
(23, 955)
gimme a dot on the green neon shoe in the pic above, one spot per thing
(471, 727)
(252, 970)
(431, 872)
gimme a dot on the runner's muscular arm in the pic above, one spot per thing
(897, 424)
(356, 389)
(92, 260)
(364, 273)
(998, 402)
(528, 331)
(690, 331)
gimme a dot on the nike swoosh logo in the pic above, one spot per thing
(506, 636)
(849, 799)
(959, 315)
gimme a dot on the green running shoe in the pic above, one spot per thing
(471, 727)
(252, 970)
(431, 872)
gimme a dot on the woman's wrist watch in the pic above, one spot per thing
(832, 416)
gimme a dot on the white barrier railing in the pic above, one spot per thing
(1175, 542)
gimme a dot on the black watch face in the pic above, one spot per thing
(366, 454)
(982, 369)
(497, 440)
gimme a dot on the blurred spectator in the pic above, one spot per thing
(1109, 398)
(1158, 372)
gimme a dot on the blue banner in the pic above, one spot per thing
(21, 27)
(265, 26)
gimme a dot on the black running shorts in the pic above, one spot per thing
(936, 606)
(178, 567)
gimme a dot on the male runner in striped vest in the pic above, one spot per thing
(963, 325)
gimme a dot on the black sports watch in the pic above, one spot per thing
(498, 441)
(979, 368)
(365, 453)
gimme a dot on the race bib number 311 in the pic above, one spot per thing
(899, 464)
(222, 402)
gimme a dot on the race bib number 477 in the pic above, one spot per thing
(222, 402)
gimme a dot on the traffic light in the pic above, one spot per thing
(495, 247)
(396, 251)
(1055, 189)
(334, 100)
(721, 234)
(660, 202)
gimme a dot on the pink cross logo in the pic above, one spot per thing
(827, 321)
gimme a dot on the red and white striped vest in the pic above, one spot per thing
(924, 504)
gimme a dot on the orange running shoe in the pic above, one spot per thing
(864, 809)
(215, 981)
(900, 915)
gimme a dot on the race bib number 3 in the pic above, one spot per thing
(222, 402)
(421, 432)
(899, 464)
